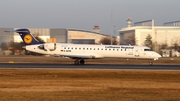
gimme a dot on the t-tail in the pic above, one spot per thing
(26, 36)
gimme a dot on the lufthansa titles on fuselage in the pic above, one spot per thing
(123, 47)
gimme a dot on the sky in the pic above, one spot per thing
(84, 14)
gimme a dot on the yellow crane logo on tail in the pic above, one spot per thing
(27, 39)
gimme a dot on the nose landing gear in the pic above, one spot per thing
(150, 63)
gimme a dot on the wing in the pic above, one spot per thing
(79, 56)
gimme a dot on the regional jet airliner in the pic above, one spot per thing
(80, 52)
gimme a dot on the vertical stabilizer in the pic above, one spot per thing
(26, 36)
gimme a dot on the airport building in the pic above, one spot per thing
(168, 34)
(84, 37)
(6, 37)
(59, 35)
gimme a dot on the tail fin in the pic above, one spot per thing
(26, 36)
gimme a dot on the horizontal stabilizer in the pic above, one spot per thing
(17, 31)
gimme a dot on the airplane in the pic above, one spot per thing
(80, 52)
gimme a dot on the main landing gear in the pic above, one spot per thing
(79, 61)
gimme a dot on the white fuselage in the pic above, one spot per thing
(94, 51)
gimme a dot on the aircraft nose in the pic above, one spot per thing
(157, 56)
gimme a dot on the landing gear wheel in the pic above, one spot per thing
(76, 62)
(82, 62)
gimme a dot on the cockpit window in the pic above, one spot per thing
(148, 50)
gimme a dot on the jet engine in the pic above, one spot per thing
(48, 46)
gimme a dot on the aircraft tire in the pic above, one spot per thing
(82, 62)
(76, 62)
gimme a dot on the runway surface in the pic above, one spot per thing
(88, 66)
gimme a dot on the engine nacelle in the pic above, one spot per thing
(48, 46)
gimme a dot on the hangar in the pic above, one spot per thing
(60, 35)
(84, 37)
(165, 38)
(168, 34)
